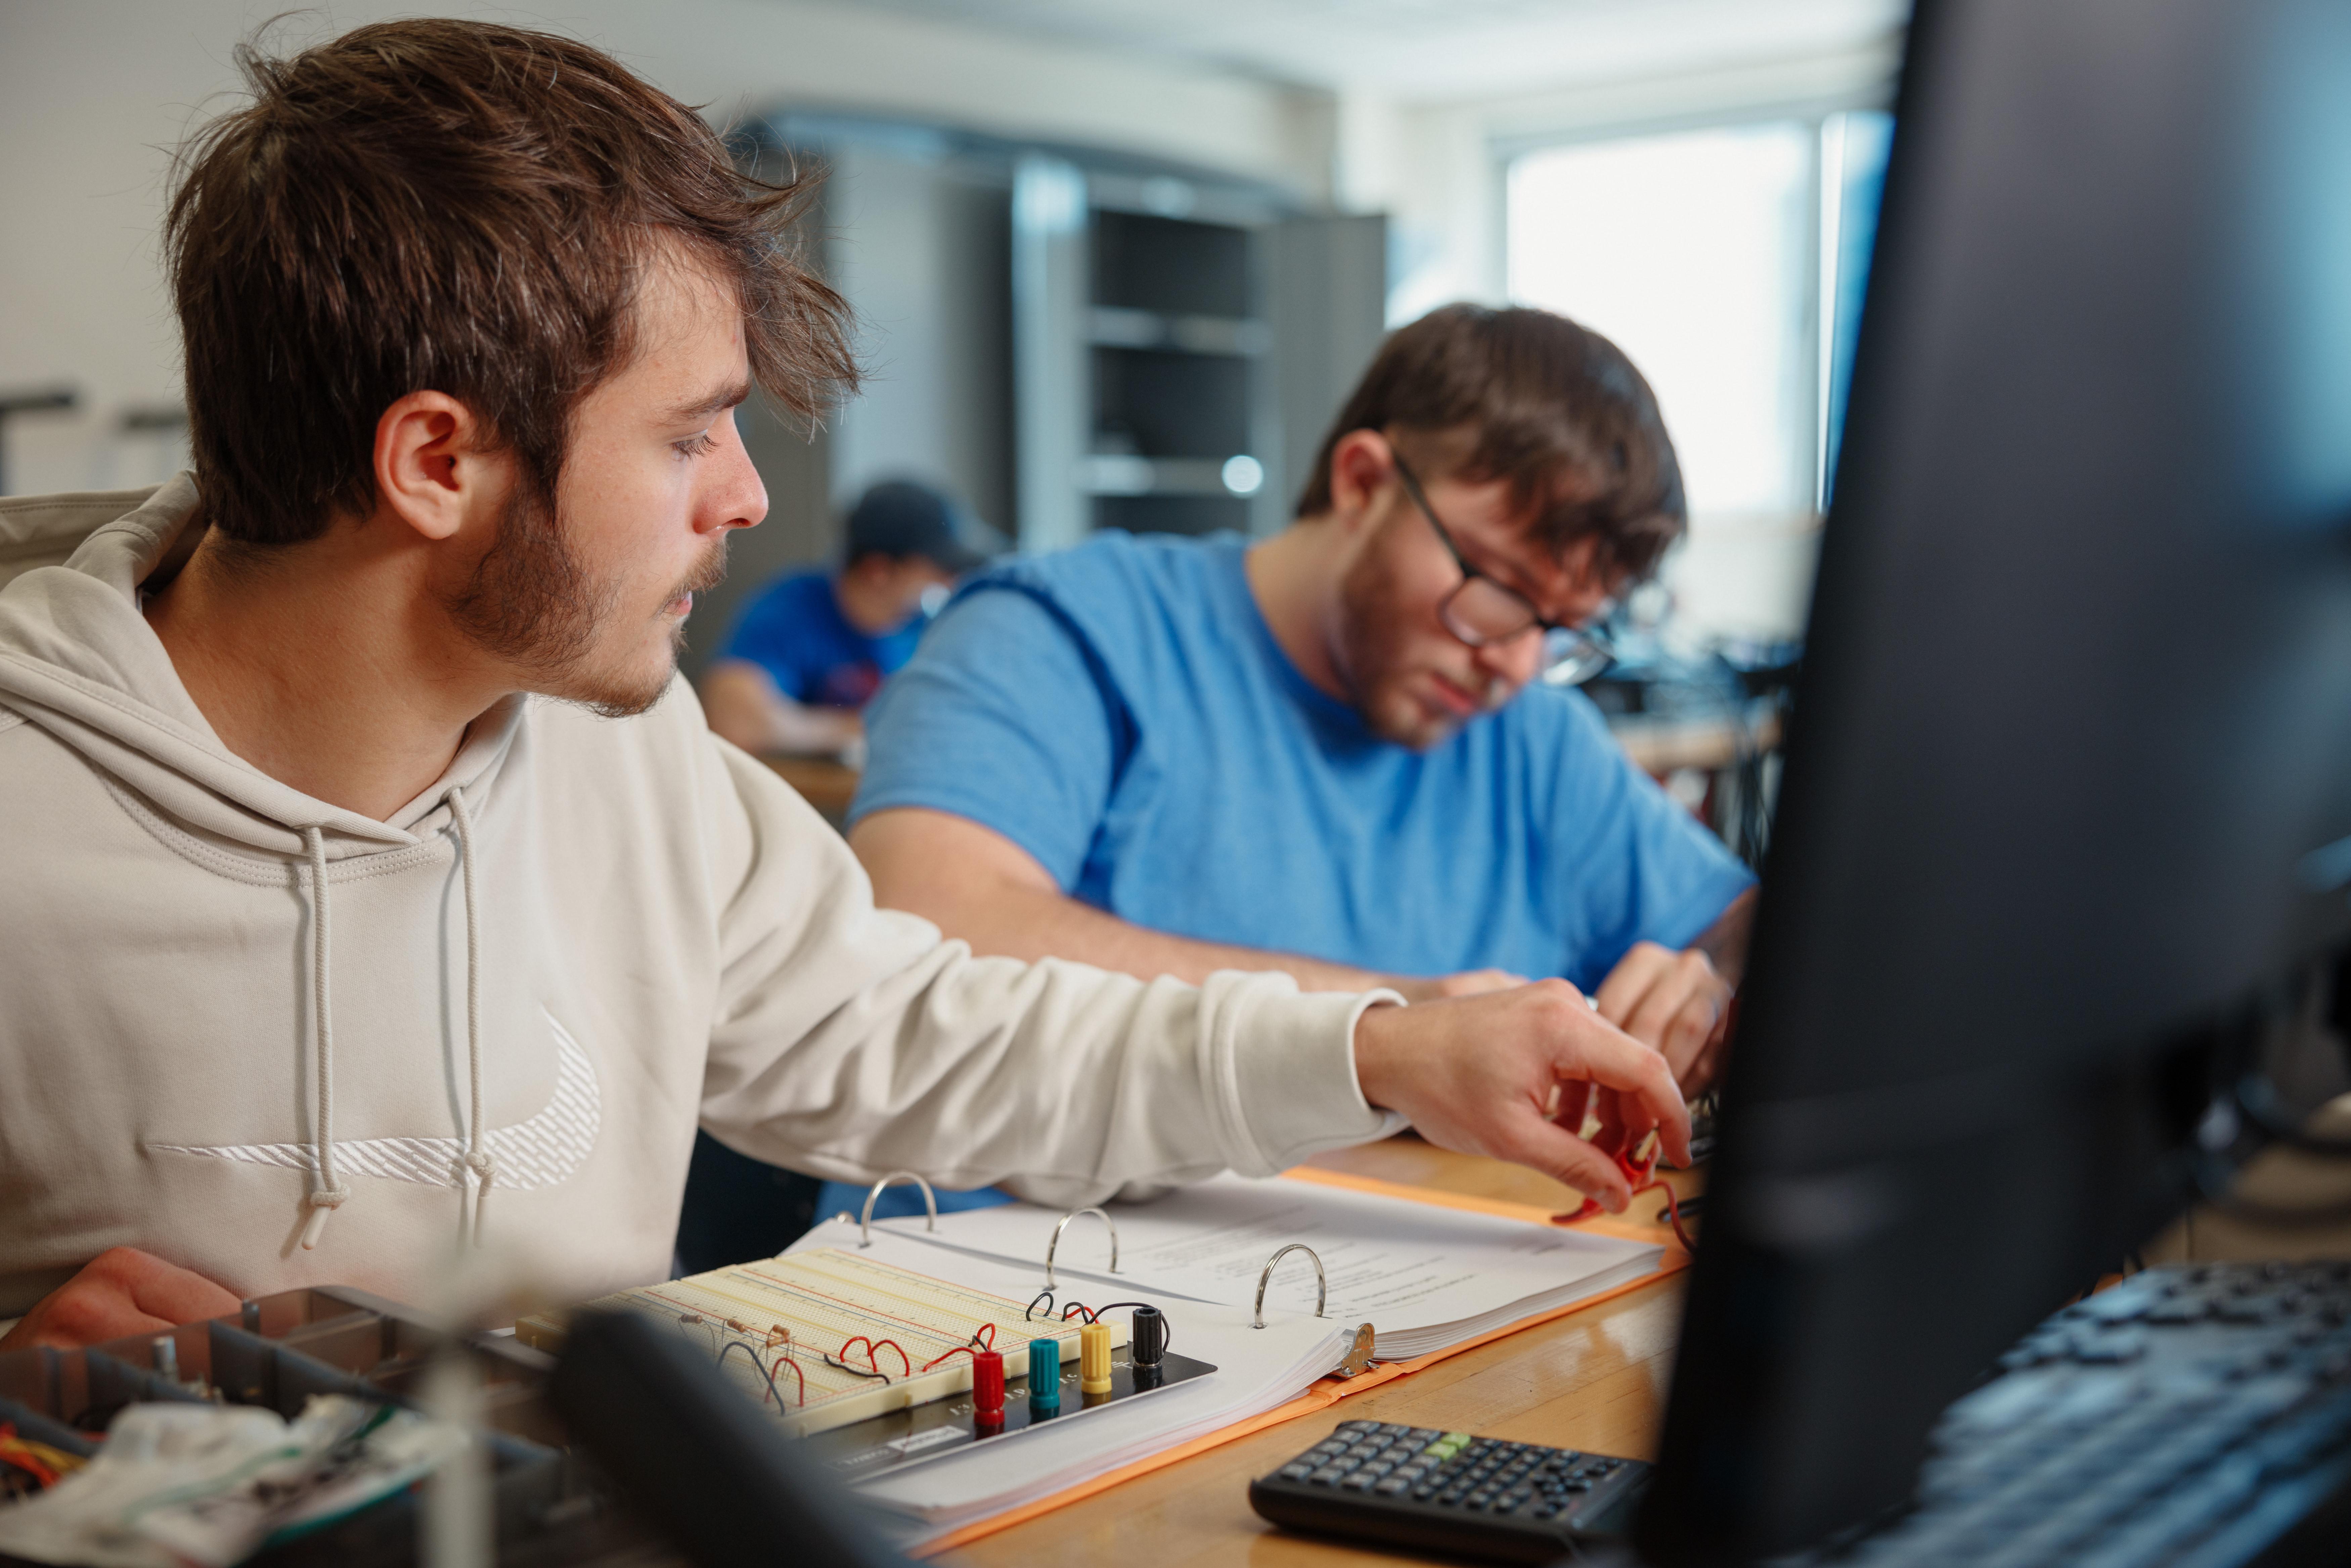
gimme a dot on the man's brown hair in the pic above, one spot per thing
(1553, 408)
(457, 207)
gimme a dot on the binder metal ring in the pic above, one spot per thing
(1054, 1245)
(1266, 1275)
(930, 1202)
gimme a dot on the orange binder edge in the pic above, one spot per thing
(1329, 1391)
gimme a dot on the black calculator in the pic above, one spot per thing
(1448, 1491)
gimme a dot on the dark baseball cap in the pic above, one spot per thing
(899, 518)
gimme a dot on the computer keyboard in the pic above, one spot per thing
(2192, 1418)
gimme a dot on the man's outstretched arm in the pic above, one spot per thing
(973, 883)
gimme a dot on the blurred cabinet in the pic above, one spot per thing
(1178, 346)
(1074, 338)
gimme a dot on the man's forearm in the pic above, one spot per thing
(1032, 924)
(973, 882)
(744, 707)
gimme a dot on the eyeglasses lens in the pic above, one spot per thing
(1481, 612)
(1571, 658)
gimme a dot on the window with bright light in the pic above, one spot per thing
(1728, 261)
(1688, 251)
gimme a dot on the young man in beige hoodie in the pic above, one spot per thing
(367, 878)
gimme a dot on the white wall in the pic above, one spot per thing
(93, 94)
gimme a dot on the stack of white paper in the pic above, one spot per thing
(1425, 1277)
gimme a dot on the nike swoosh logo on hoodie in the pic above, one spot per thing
(541, 1152)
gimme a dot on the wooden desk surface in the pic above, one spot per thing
(1594, 1379)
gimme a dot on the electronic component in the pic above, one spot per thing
(1044, 1376)
(1149, 1334)
(987, 1390)
(1093, 1361)
(1451, 1493)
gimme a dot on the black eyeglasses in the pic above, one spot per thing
(1484, 613)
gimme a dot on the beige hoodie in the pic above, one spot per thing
(207, 1050)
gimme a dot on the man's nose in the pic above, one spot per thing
(1514, 659)
(740, 500)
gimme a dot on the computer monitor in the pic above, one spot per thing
(2068, 786)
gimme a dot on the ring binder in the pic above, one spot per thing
(1054, 1245)
(930, 1202)
(1266, 1275)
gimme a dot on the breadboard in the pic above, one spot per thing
(825, 1300)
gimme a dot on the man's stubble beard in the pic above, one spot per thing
(532, 604)
(1374, 634)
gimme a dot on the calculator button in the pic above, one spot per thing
(1296, 1472)
(1326, 1475)
(1392, 1488)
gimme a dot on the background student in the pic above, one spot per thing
(812, 648)
(1339, 752)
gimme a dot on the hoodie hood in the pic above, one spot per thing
(78, 659)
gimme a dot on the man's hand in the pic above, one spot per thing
(1469, 983)
(1673, 1002)
(1490, 1074)
(120, 1291)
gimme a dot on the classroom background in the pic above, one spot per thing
(1114, 265)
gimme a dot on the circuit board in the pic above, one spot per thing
(830, 1339)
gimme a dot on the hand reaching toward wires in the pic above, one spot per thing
(1493, 1075)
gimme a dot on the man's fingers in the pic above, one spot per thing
(1647, 1095)
(1687, 1036)
(1630, 980)
(1616, 1061)
(1557, 1154)
(176, 1294)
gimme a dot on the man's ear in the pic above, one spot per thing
(430, 471)
(1361, 464)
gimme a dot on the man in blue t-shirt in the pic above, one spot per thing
(1351, 751)
(812, 649)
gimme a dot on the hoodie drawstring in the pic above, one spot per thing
(328, 1194)
(478, 1158)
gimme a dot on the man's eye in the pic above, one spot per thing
(696, 446)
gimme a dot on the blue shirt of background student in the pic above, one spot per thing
(796, 631)
(1122, 712)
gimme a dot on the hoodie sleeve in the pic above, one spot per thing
(848, 1041)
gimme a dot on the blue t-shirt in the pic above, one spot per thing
(796, 631)
(1122, 711)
